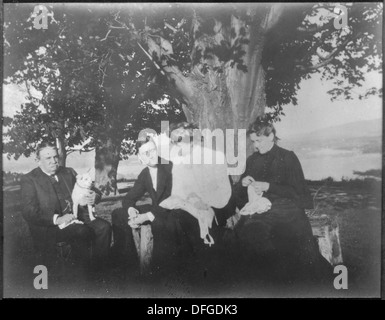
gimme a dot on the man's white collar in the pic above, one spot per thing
(48, 174)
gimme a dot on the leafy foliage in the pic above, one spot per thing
(93, 68)
(92, 87)
(344, 56)
(303, 42)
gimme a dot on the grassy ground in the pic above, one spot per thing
(356, 207)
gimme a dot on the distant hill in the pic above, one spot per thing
(359, 129)
(362, 137)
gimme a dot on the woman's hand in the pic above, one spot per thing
(247, 180)
(260, 186)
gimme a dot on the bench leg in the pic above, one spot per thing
(326, 230)
(143, 239)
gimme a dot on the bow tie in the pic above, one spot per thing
(53, 178)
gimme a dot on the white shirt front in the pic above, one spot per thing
(49, 175)
(55, 216)
(154, 176)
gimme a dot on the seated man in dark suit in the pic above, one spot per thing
(46, 204)
(177, 238)
(155, 180)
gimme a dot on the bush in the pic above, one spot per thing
(11, 178)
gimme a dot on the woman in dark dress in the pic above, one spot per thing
(279, 242)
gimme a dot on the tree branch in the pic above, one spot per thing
(58, 37)
(326, 60)
(28, 89)
(317, 66)
(314, 29)
(150, 57)
(170, 27)
(81, 148)
(71, 150)
(173, 71)
(273, 16)
(108, 32)
(113, 27)
(164, 48)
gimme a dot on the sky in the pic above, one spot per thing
(316, 111)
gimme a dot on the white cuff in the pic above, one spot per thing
(132, 212)
(150, 216)
(55, 216)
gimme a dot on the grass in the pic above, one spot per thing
(356, 207)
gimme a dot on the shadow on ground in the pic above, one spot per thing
(357, 208)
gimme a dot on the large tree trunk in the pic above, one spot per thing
(107, 150)
(58, 135)
(107, 156)
(232, 97)
(60, 144)
(120, 106)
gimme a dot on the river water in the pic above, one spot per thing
(316, 165)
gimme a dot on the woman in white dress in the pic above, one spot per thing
(199, 185)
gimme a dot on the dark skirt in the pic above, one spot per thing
(280, 243)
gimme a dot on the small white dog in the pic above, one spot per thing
(82, 187)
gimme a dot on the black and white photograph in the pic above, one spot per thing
(192, 150)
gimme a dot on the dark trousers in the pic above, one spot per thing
(94, 234)
(90, 243)
(176, 237)
(123, 250)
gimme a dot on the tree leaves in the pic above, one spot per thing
(355, 51)
(95, 80)
(89, 86)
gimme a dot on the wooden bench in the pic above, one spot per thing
(325, 230)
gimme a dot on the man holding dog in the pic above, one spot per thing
(47, 203)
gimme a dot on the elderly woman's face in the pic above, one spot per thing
(262, 143)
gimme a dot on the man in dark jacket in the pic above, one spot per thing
(156, 181)
(47, 204)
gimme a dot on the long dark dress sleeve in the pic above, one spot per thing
(240, 192)
(294, 187)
